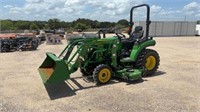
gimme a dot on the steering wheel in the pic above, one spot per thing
(120, 36)
(101, 32)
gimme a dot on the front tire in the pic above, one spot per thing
(148, 60)
(102, 74)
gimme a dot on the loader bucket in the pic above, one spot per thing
(53, 69)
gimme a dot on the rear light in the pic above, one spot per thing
(129, 30)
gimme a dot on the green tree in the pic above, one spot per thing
(40, 24)
(81, 26)
(22, 25)
(54, 23)
(123, 22)
(107, 24)
(6, 25)
(64, 24)
(88, 22)
(33, 26)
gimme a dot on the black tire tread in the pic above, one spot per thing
(96, 73)
(140, 63)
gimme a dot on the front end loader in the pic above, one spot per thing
(100, 59)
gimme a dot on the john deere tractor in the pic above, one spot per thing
(100, 59)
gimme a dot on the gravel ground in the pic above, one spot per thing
(175, 87)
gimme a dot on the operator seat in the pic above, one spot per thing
(129, 43)
(138, 33)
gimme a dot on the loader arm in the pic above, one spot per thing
(69, 57)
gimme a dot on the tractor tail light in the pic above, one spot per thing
(129, 30)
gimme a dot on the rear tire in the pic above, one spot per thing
(102, 74)
(148, 60)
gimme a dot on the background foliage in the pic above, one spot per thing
(55, 23)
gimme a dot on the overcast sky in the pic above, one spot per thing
(102, 10)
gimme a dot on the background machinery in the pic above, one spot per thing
(21, 42)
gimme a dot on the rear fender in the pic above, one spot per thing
(138, 48)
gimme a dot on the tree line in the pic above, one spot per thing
(55, 23)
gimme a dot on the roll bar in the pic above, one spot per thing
(147, 19)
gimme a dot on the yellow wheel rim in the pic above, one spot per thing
(104, 75)
(150, 63)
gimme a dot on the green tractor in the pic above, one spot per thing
(100, 59)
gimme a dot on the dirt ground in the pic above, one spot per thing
(175, 87)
